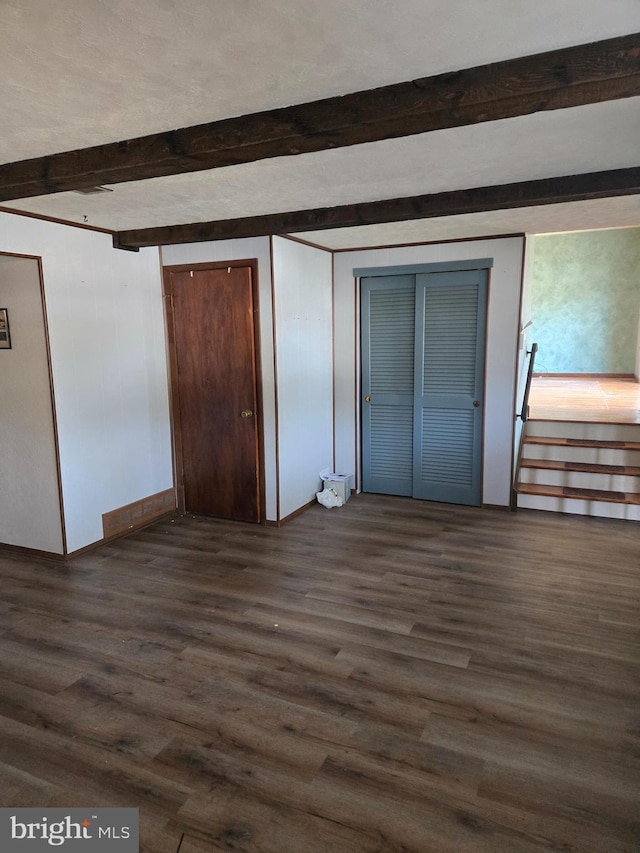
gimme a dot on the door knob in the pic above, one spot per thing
(367, 399)
(247, 413)
(476, 403)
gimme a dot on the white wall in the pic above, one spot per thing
(30, 514)
(525, 339)
(247, 249)
(638, 353)
(303, 320)
(502, 333)
(301, 289)
(108, 357)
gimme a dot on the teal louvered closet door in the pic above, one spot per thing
(423, 340)
(388, 323)
(449, 375)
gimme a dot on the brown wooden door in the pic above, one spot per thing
(213, 355)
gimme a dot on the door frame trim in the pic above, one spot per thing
(172, 366)
(416, 269)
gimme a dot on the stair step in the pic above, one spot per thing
(581, 467)
(588, 455)
(601, 509)
(559, 441)
(584, 467)
(579, 479)
(579, 494)
(585, 429)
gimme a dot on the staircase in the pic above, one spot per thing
(582, 468)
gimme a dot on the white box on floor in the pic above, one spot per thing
(340, 483)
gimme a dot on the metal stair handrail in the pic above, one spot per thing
(523, 414)
(524, 411)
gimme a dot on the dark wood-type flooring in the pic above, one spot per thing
(394, 675)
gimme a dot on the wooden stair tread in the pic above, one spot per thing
(586, 467)
(603, 422)
(581, 442)
(579, 494)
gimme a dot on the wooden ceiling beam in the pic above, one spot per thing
(502, 196)
(569, 77)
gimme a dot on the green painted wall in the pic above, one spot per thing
(585, 301)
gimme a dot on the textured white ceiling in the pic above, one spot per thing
(81, 72)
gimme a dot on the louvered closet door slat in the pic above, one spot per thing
(392, 320)
(392, 442)
(388, 324)
(451, 315)
(447, 447)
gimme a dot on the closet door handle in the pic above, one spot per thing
(367, 399)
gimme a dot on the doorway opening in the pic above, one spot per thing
(31, 505)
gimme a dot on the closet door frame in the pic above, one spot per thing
(481, 264)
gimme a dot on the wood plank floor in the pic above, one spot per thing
(394, 675)
(597, 399)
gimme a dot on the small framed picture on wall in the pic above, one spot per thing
(5, 334)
